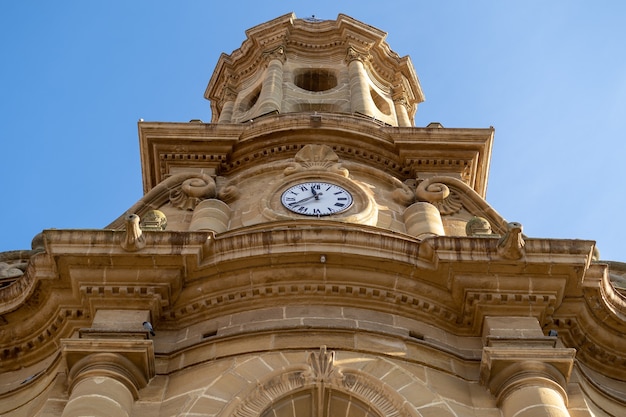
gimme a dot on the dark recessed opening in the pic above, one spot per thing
(209, 334)
(247, 103)
(416, 335)
(315, 79)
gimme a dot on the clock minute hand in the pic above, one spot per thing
(316, 196)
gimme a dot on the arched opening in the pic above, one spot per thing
(250, 100)
(315, 79)
(380, 102)
(323, 402)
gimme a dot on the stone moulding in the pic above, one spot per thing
(404, 274)
(405, 153)
(319, 374)
(128, 361)
(183, 189)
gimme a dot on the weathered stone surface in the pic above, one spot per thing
(401, 304)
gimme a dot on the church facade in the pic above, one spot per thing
(311, 253)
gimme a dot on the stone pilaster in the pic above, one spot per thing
(524, 369)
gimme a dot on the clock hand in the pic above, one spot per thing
(316, 196)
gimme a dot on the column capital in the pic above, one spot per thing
(229, 94)
(276, 53)
(128, 361)
(354, 54)
(517, 355)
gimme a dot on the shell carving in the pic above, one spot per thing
(316, 157)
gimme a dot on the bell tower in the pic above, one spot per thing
(291, 65)
(311, 120)
(311, 253)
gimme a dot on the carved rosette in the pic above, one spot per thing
(439, 194)
(317, 158)
(192, 191)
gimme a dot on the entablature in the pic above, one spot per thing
(406, 153)
(183, 277)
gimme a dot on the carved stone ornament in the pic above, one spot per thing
(478, 226)
(439, 195)
(353, 54)
(321, 374)
(12, 270)
(276, 53)
(322, 366)
(153, 220)
(511, 245)
(192, 191)
(403, 193)
(133, 239)
(318, 158)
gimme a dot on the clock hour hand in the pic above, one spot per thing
(304, 200)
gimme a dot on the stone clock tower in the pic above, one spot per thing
(311, 253)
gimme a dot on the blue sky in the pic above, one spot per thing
(550, 76)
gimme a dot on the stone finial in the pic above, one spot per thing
(37, 244)
(133, 240)
(511, 245)
(478, 226)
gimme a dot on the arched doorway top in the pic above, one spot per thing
(325, 387)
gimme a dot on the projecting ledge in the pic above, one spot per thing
(129, 361)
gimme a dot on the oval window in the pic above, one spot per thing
(315, 79)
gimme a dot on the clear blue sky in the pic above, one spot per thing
(550, 76)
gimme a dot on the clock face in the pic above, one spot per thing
(316, 199)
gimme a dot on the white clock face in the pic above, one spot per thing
(316, 199)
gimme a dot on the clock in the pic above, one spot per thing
(316, 198)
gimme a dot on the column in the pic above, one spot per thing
(99, 396)
(360, 98)
(108, 364)
(228, 99)
(402, 115)
(422, 220)
(271, 97)
(211, 214)
(105, 375)
(524, 369)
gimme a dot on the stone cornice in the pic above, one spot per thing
(405, 275)
(201, 276)
(321, 38)
(170, 148)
